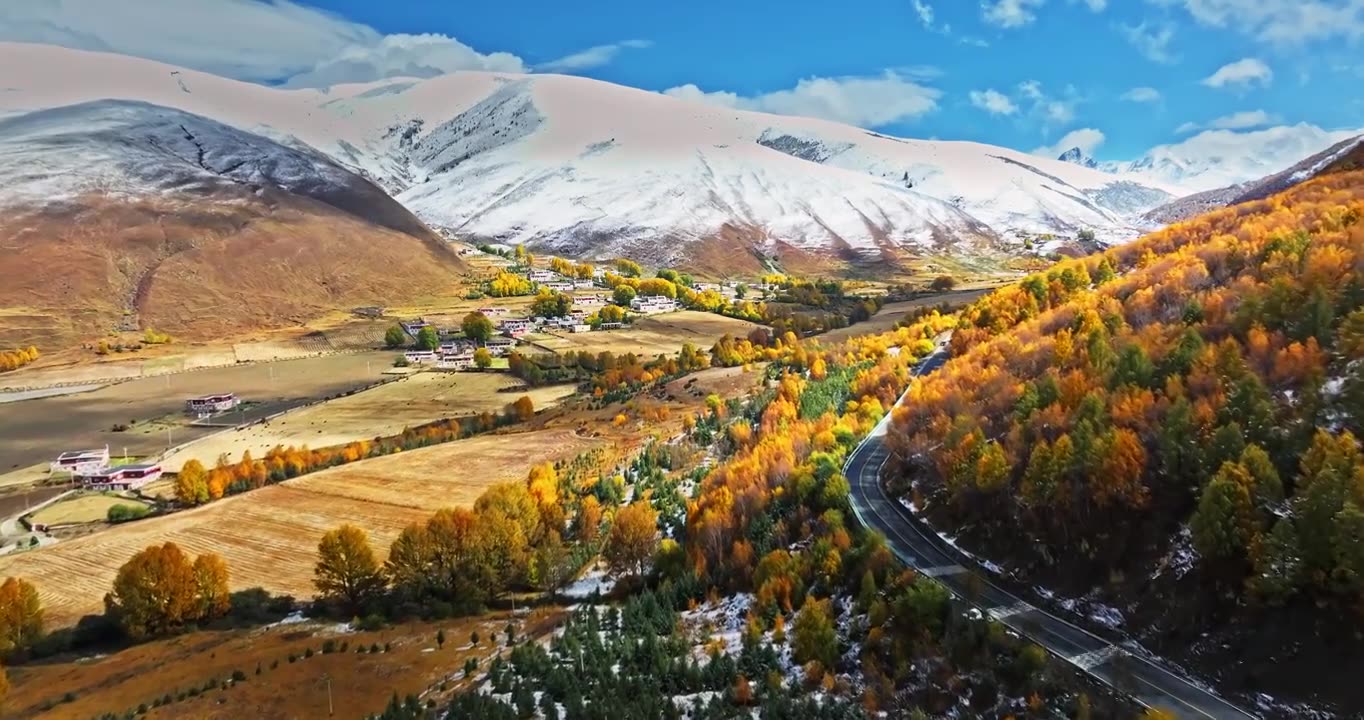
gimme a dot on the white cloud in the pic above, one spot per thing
(592, 57)
(239, 38)
(256, 40)
(1235, 121)
(1087, 139)
(1010, 13)
(1243, 73)
(1141, 95)
(1152, 41)
(1281, 21)
(925, 12)
(1243, 120)
(1031, 89)
(403, 56)
(993, 102)
(867, 101)
(1217, 158)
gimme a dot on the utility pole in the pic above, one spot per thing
(330, 710)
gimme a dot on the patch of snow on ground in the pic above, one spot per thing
(593, 582)
(1180, 558)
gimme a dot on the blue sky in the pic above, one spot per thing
(1114, 76)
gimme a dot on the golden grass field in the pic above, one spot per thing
(82, 509)
(384, 410)
(649, 336)
(269, 536)
(361, 683)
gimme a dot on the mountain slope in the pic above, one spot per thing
(589, 168)
(122, 215)
(1333, 159)
(1165, 437)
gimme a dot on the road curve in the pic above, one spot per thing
(1139, 677)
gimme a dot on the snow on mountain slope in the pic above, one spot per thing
(1218, 158)
(596, 169)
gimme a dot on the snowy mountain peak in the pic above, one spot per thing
(584, 167)
(1076, 156)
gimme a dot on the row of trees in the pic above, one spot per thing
(15, 359)
(196, 485)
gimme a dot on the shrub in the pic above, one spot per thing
(238, 676)
(293, 658)
(124, 513)
(308, 653)
(328, 646)
(374, 648)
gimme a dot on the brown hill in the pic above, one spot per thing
(161, 219)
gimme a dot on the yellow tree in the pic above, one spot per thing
(210, 582)
(346, 571)
(191, 483)
(632, 540)
(21, 615)
(154, 592)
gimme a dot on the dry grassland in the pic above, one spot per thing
(649, 336)
(83, 509)
(361, 683)
(384, 410)
(269, 536)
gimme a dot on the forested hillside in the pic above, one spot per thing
(1172, 428)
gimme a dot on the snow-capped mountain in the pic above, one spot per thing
(1216, 159)
(583, 167)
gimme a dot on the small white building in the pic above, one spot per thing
(499, 346)
(205, 405)
(542, 276)
(580, 328)
(80, 462)
(583, 284)
(493, 311)
(559, 286)
(123, 477)
(420, 357)
(517, 327)
(462, 360)
(588, 300)
(653, 304)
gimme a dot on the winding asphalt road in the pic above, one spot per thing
(1134, 675)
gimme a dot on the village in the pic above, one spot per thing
(584, 302)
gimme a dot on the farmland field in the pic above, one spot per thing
(649, 336)
(82, 509)
(384, 410)
(37, 430)
(282, 690)
(269, 536)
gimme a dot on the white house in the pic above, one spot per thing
(493, 311)
(583, 284)
(500, 346)
(517, 327)
(542, 276)
(461, 360)
(559, 286)
(580, 328)
(123, 477)
(651, 304)
(420, 357)
(81, 461)
(588, 300)
(211, 404)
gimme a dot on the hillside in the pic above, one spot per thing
(1166, 437)
(587, 168)
(124, 216)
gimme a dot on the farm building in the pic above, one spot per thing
(210, 404)
(81, 461)
(559, 286)
(420, 357)
(493, 311)
(123, 477)
(589, 300)
(373, 312)
(582, 284)
(517, 326)
(650, 304)
(580, 328)
(499, 346)
(542, 276)
(412, 327)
